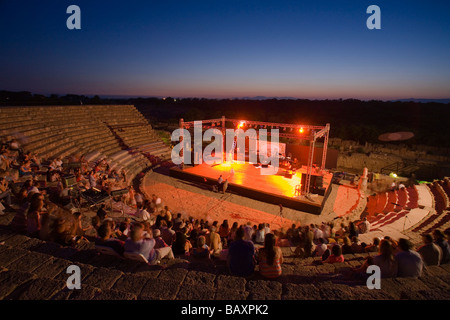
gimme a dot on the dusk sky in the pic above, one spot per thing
(226, 48)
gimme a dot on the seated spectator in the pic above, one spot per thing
(336, 255)
(241, 255)
(96, 222)
(224, 231)
(159, 242)
(25, 169)
(201, 251)
(270, 258)
(306, 247)
(352, 230)
(34, 215)
(410, 263)
(139, 199)
(431, 253)
(166, 232)
(293, 235)
(232, 234)
(356, 246)
(5, 192)
(104, 239)
(215, 244)
(138, 244)
(364, 226)
(318, 233)
(248, 231)
(347, 246)
(439, 239)
(320, 249)
(374, 247)
(141, 213)
(168, 216)
(259, 237)
(34, 187)
(101, 212)
(80, 231)
(4, 161)
(386, 260)
(181, 245)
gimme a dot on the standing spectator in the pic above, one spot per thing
(431, 253)
(270, 258)
(439, 239)
(386, 260)
(241, 255)
(410, 263)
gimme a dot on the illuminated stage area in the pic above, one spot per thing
(246, 180)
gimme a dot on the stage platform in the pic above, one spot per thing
(247, 181)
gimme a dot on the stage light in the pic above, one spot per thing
(241, 124)
(300, 130)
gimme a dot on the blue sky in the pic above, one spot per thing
(227, 48)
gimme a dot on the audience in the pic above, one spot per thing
(439, 239)
(386, 260)
(241, 255)
(410, 263)
(270, 258)
(431, 253)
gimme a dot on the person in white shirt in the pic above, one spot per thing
(364, 226)
(321, 247)
(142, 214)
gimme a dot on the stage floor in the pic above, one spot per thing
(246, 178)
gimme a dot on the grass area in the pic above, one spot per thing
(165, 136)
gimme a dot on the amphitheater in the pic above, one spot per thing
(33, 269)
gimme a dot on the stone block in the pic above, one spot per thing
(300, 292)
(130, 283)
(10, 280)
(29, 262)
(39, 289)
(196, 292)
(198, 277)
(103, 278)
(159, 289)
(264, 290)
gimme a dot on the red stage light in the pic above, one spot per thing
(300, 130)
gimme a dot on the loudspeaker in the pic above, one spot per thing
(288, 175)
(69, 181)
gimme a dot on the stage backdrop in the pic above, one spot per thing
(301, 153)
